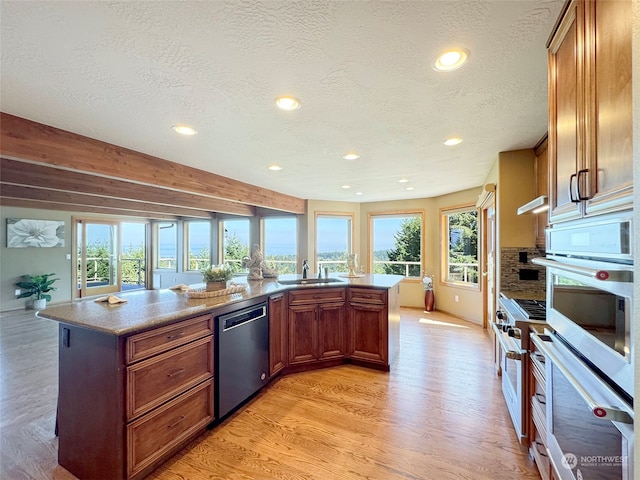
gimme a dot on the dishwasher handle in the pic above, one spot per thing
(241, 317)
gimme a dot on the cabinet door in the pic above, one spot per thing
(331, 331)
(368, 332)
(278, 333)
(566, 111)
(609, 154)
(303, 334)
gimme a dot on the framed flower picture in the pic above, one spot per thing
(24, 232)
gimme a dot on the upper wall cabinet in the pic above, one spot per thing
(590, 110)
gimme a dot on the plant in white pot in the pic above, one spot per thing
(217, 276)
(38, 286)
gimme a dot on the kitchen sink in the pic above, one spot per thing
(310, 281)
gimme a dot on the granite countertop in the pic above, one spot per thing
(528, 295)
(146, 309)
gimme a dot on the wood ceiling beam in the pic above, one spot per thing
(98, 202)
(65, 207)
(34, 142)
(41, 176)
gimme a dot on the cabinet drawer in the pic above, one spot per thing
(368, 295)
(152, 436)
(158, 379)
(153, 342)
(539, 419)
(316, 295)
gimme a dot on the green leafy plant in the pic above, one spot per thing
(37, 285)
(217, 273)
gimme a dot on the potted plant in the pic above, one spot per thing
(217, 276)
(37, 285)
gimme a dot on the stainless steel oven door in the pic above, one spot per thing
(589, 303)
(512, 357)
(589, 426)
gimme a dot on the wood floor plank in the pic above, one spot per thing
(439, 414)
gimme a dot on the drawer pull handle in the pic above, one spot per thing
(541, 398)
(177, 335)
(177, 372)
(538, 445)
(176, 422)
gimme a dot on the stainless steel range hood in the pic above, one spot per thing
(537, 205)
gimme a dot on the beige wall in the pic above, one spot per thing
(469, 304)
(515, 187)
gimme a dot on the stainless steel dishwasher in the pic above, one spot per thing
(242, 366)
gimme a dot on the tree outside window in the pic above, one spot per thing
(397, 244)
(461, 230)
(235, 242)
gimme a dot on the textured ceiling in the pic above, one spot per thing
(125, 72)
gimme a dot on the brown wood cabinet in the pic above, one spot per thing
(317, 325)
(590, 110)
(147, 396)
(278, 333)
(368, 325)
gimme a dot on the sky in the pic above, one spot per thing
(277, 239)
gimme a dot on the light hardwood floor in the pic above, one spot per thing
(439, 414)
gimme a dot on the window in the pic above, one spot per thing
(333, 241)
(167, 245)
(460, 260)
(280, 243)
(396, 243)
(235, 242)
(198, 242)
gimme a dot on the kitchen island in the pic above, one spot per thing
(136, 379)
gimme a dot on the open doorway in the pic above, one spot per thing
(111, 256)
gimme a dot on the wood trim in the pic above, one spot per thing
(111, 191)
(33, 142)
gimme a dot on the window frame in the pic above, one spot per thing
(263, 238)
(398, 214)
(156, 246)
(238, 267)
(444, 243)
(187, 246)
(350, 241)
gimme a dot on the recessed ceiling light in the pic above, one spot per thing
(410, 188)
(359, 193)
(275, 168)
(184, 130)
(286, 102)
(452, 141)
(351, 156)
(346, 186)
(451, 60)
(403, 180)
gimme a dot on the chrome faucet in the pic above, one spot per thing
(305, 267)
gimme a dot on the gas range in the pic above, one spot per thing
(532, 309)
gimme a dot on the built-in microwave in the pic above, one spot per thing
(590, 295)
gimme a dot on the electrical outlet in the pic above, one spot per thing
(17, 292)
(456, 298)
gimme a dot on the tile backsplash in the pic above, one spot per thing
(518, 274)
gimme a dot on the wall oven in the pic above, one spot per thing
(589, 349)
(589, 425)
